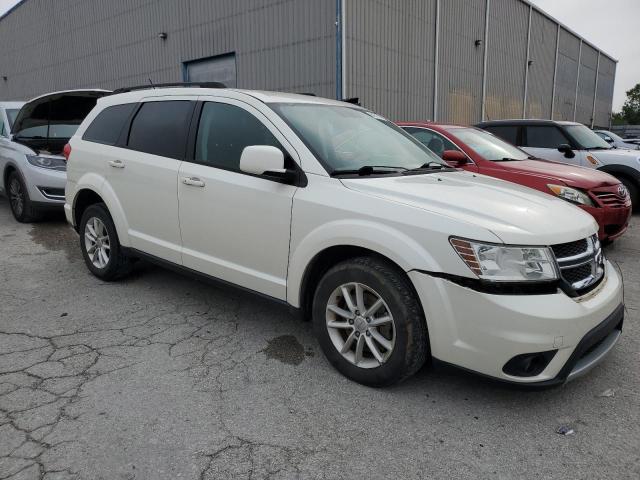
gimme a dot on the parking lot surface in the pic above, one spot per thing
(164, 377)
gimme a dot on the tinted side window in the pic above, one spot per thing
(432, 140)
(223, 133)
(505, 132)
(161, 128)
(106, 127)
(544, 137)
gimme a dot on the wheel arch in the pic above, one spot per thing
(93, 190)
(622, 171)
(320, 251)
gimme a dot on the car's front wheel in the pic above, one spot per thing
(19, 201)
(369, 322)
(634, 193)
(100, 246)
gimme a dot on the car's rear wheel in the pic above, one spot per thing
(369, 322)
(100, 246)
(21, 206)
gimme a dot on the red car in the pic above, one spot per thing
(475, 150)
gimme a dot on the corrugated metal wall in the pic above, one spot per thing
(507, 58)
(587, 84)
(280, 45)
(604, 97)
(390, 51)
(542, 53)
(461, 61)
(567, 76)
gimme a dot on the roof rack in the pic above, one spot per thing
(150, 86)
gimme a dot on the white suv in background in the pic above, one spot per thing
(31, 157)
(571, 142)
(338, 213)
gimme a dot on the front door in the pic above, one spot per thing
(235, 226)
(542, 141)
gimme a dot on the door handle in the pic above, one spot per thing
(193, 181)
(116, 163)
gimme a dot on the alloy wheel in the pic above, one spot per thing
(97, 242)
(16, 196)
(360, 325)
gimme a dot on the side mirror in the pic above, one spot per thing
(455, 158)
(265, 160)
(567, 150)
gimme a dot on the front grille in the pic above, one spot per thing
(614, 196)
(581, 264)
(573, 275)
(570, 249)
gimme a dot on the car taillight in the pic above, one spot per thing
(66, 151)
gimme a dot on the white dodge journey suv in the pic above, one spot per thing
(331, 209)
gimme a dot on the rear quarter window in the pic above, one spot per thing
(107, 126)
(161, 128)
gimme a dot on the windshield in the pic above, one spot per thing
(585, 138)
(345, 138)
(11, 115)
(489, 146)
(610, 134)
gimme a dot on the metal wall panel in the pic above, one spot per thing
(461, 61)
(604, 92)
(507, 58)
(291, 45)
(390, 51)
(566, 76)
(586, 84)
(279, 44)
(542, 54)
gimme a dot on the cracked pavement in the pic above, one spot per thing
(163, 377)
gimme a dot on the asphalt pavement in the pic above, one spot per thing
(164, 377)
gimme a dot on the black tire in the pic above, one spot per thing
(21, 206)
(118, 265)
(411, 348)
(634, 192)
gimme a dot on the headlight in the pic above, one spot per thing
(571, 195)
(50, 163)
(503, 263)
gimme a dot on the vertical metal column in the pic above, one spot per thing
(339, 51)
(595, 92)
(575, 103)
(555, 74)
(436, 60)
(484, 66)
(526, 66)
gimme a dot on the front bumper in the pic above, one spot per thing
(612, 221)
(45, 187)
(482, 332)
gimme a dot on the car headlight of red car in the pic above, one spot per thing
(571, 195)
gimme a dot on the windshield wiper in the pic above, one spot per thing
(509, 159)
(432, 165)
(598, 148)
(368, 170)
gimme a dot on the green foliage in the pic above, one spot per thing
(631, 107)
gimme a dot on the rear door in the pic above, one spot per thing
(235, 226)
(143, 175)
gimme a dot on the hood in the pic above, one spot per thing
(571, 175)
(617, 155)
(46, 123)
(517, 215)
